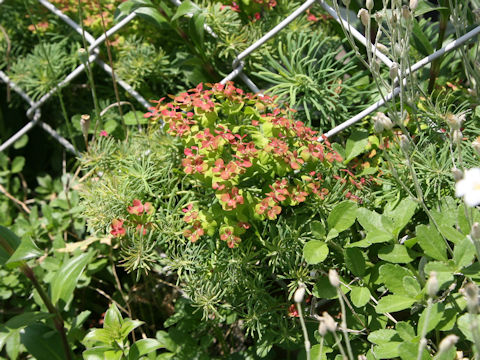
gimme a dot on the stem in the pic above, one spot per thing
(304, 329)
(344, 323)
(442, 26)
(423, 340)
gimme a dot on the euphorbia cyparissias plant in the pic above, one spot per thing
(247, 153)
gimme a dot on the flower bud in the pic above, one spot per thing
(475, 232)
(346, 3)
(330, 324)
(299, 294)
(476, 145)
(369, 5)
(397, 48)
(381, 122)
(382, 48)
(405, 12)
(363, 16)
(413, 4)
(404, 143)
(378, 17)
(457, 136)
(446, 344)
(82, 55)
(457, 174)
(393, 71)
(333, 277)
(432, 284)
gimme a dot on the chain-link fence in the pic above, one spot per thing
(34, 111)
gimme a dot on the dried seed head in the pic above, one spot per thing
(475, 232)
(432, 284)
(322, 328)
(363, 16)
(369, 5)
(454, 121)
(457, 174)
(413, 4)
(330, 324)
(476, 145)
(333, 277)
(85, 124)
(379, 17)
(446, 344)
(471, 292)
(299, 294)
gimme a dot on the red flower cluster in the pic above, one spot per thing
(139, 212)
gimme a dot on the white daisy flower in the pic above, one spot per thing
(469, 187)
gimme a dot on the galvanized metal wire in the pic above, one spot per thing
(34, 110)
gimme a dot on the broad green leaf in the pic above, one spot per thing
(20, 143)
(317, 229)
(26, 250)
(17, 164)
(187, 7)
(355, 261)
(451, 234)
(324, 290)
(356, 144)
(42, 342)
(66, 278)
(315, 251)
(398, 254)
(387, 351)
(402, 214)
(377, 237)
(197, 31)
(409, 350)
(464, 253)
(143, 347)
(164, 338)
(448, 320)
(431, 242)
(444, 272)
(424, 7)
(464, 323)
(370, 220)
(393, 303)
(102, 352)
(434, 318)
(383, 336)
(315, 352)
(405, 330)
(392, 276)
(359, 296)
(411, 286)
(12, 241)
(152, 15)
(134, 118)
(98, 336)
(342, 216)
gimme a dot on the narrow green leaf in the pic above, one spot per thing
(315, 252)
(393, 303)
(26, 319)
(342, 216)
(113, 319)
(12, 242)
(66, 278)
(128, 326)
(26, 250)
(187, 7)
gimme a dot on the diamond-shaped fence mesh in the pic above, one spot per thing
(34, 111)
